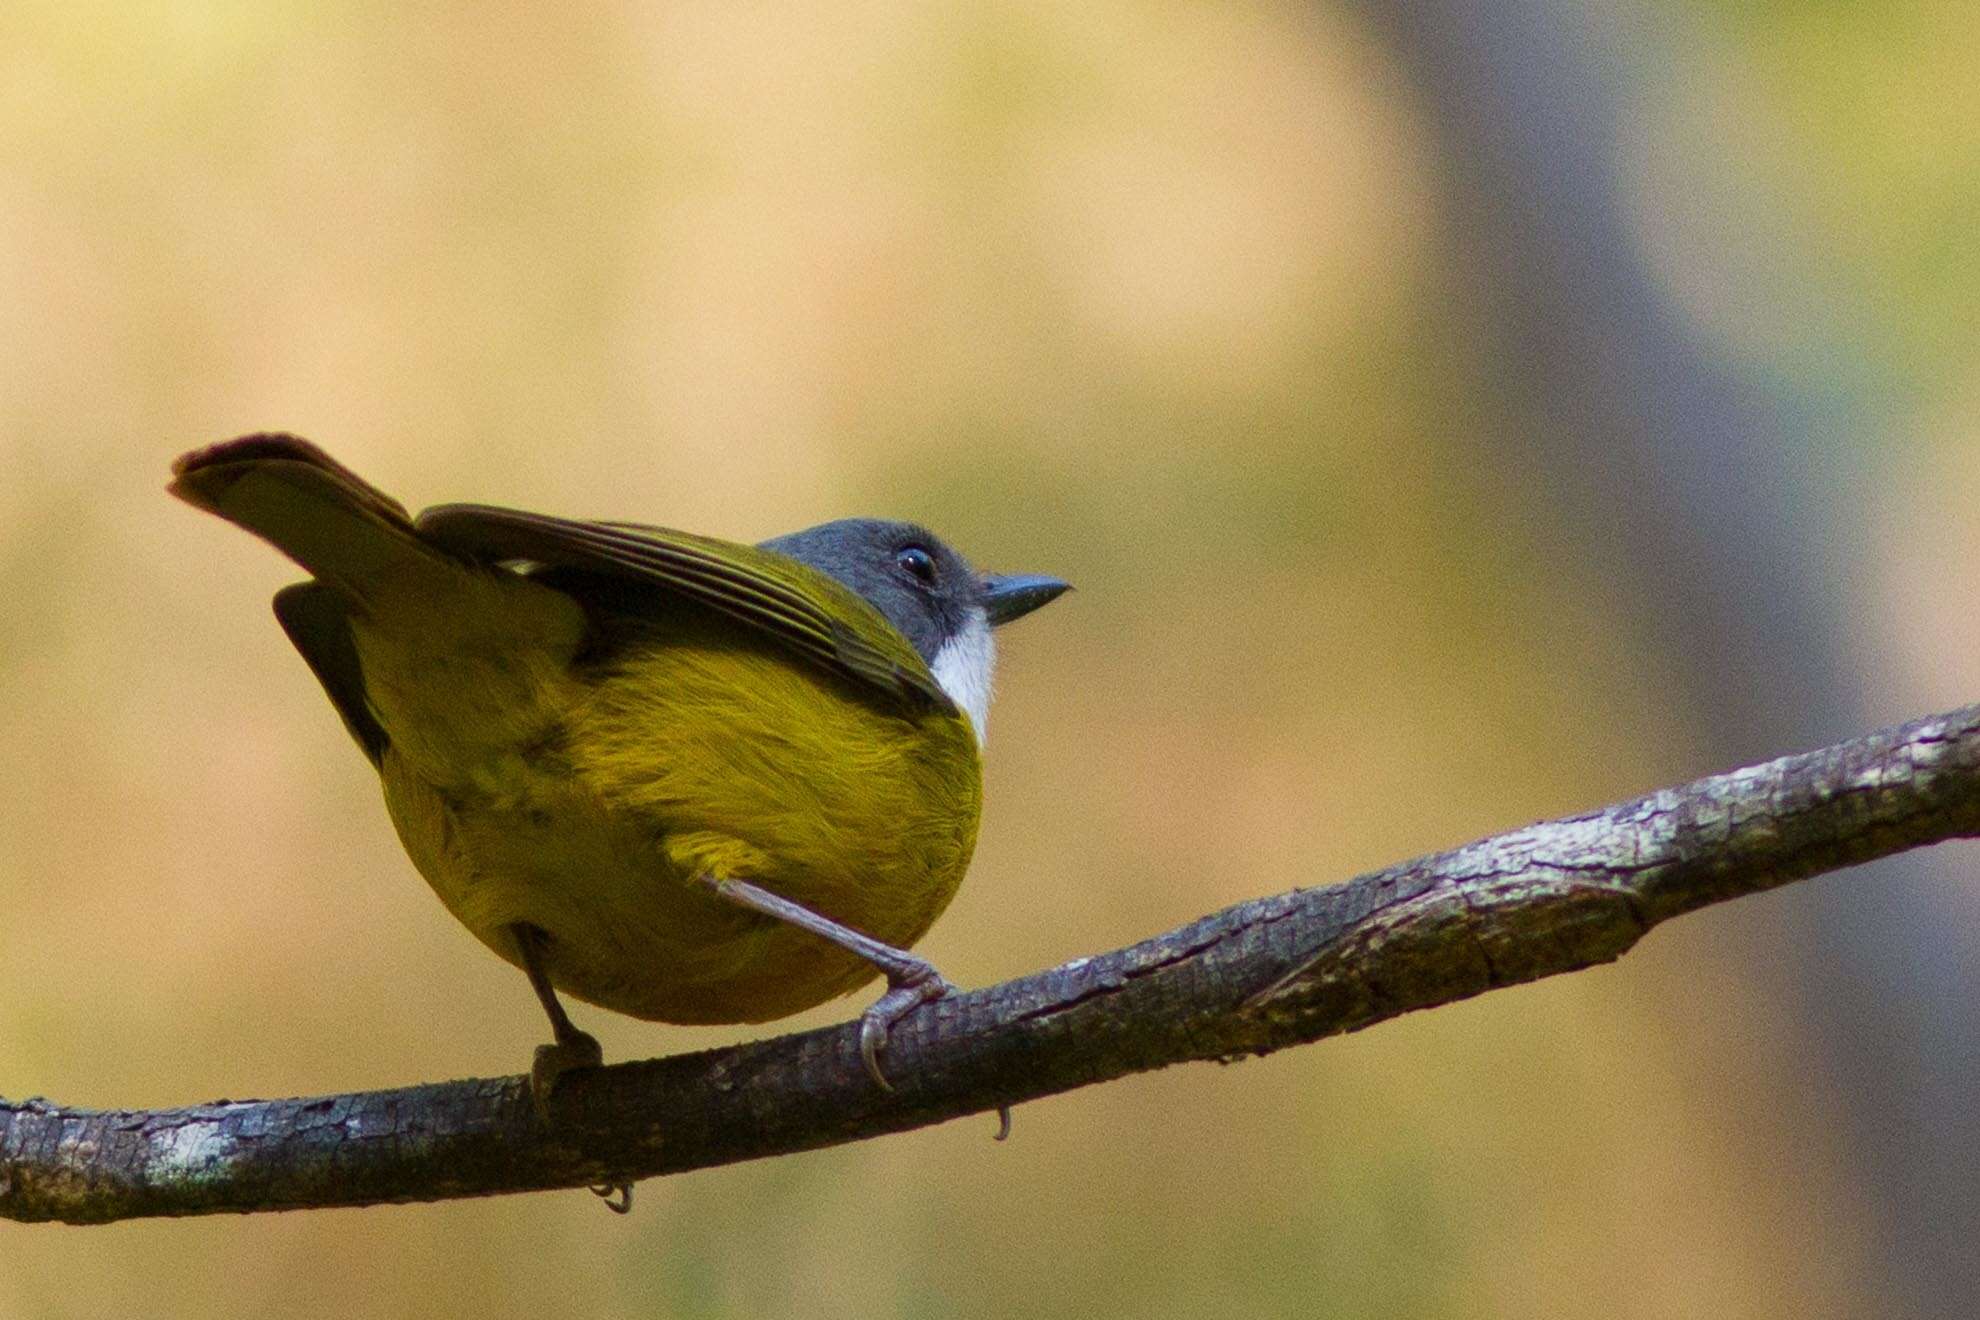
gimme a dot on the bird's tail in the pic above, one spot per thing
(307, 505)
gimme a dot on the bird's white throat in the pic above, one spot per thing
(963, 667)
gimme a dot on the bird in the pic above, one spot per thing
(680, 778)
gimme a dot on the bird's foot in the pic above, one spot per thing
(579, 1049)
(911, 981)
(909, 985)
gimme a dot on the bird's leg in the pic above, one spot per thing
(911, 981)
(571, 1048)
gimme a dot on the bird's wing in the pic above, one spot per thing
(318, 620)
(784, 600)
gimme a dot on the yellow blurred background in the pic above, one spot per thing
(1434, 409)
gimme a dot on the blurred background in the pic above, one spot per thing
(1453, 415)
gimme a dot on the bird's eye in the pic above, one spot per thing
(916, 561)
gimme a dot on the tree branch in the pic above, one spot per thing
(1253, 978)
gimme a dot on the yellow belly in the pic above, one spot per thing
(695, 755)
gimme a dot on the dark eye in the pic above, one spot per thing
(916, 561)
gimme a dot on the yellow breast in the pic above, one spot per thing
(696, 753)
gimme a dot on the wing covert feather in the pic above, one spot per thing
(783, 599)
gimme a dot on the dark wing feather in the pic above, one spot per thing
(786, 601)
(317, 620)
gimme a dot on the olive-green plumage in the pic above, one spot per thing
(577, 724)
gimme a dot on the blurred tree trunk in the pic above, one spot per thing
(1711, 502)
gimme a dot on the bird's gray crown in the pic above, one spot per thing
(918, 582)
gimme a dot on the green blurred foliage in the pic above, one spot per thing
(1147, 295)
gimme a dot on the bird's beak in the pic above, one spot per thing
(1014, 595)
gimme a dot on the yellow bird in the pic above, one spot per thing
(681, 778)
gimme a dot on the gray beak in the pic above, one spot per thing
(1014, 595)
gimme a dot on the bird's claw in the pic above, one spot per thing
(906, 992)
(605, 1192)
(577, 1050)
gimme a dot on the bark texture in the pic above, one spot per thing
(1257, 977)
